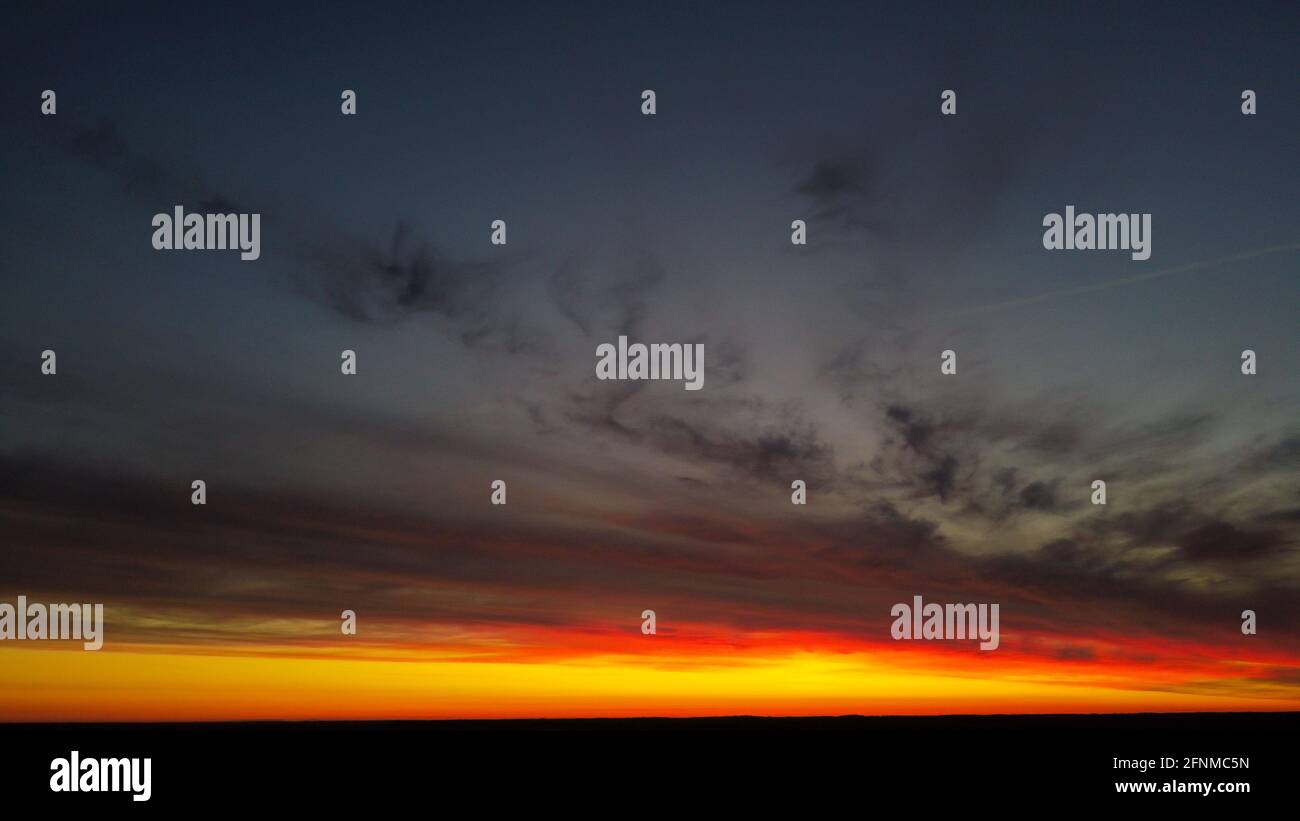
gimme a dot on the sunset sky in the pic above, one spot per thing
(476, 362)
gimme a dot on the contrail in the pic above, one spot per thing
(1111, 283)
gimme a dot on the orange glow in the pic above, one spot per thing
(614, 675)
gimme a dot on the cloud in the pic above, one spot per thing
(776, 455)
(927, 456)
(607, 296)
(405, 278)
(845, 191)
(117, 535)
(142, 177)
(938, 202)
(1221, 540)
(360, 280)
(1039, 496)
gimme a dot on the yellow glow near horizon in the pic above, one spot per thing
(44, 685)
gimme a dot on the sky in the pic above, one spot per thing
(476, 362)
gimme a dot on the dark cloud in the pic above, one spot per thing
(844, 190)
(1004, 479)
(938, 200)
(942, 478)
(1068, 556)
(1222, 540)
(599, 409)
(1160, 524)
(380, 283)
(778, 455)
(1039, 496)
(613, 298)
(373, 284)
(928, 456)
(160, 186)
(1076, 654)
(1283, 454)
(1283, 675)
